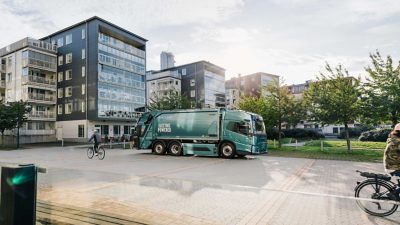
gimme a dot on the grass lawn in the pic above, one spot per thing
(333, 150)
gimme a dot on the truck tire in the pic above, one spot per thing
(175, 148)
(227, 150)
(159, 148)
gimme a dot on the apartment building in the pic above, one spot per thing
(202, 82)
(160, 84)
(248, 85)
(100, 79)
(28, 72)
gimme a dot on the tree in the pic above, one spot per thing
(335, 98)
(381, 92)
(276, 106)
(6, 122)
(18, 115)
(172, 100)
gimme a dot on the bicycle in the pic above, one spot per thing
(101, 153)
(377, 187)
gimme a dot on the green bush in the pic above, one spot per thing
(302, 134)
(379, 135)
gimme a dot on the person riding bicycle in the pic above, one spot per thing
(391, 158)
(97, 140)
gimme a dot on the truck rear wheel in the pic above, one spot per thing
(227, 150)
(159, 148)
(175, 148)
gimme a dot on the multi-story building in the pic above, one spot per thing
(202, 82)
(28, 72)
(167, 60)
(100, 79)
(160, 84)
(248, 85)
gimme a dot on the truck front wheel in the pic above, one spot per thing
(228, 150)
(175, 148)
(159, 148)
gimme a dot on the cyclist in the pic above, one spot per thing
(97, 140)
(391, 158)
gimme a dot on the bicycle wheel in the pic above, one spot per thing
(371, 189)
(90, 152)
(101, 153)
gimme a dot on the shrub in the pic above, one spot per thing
(380, 135)
(355, 132)
(302, 134)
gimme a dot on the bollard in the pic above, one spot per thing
(296, 144)
(62, 142)
(110, 144)
(124, 144)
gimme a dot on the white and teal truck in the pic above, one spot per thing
(207, 132)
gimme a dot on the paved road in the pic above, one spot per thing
(202, 190)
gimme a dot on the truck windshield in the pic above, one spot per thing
(258, 126)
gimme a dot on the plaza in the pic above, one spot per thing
(137, 187)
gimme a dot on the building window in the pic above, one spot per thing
(68, 91)
(83, 33)
(192, 93)
(68, 75)
(60, 109)
(83, 106)
(68, 108)
(81, 131)
(68, 39)
(83, 89)
(83, 53)
(335, 130)
(60, 60)
(68, 58)
(60, 93)
(192, 82)
(60, 76)
(83, 71)
(184, 71)
(60, 42)
(9, 77)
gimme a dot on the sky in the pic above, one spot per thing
(290, 38)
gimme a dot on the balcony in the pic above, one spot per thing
(49, 99)
(39, 64)
(41, 81)
(37, 132)
(42, 115)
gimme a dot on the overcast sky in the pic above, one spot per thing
(290, 38)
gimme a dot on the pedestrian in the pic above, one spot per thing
(391, 158)
(132, 141)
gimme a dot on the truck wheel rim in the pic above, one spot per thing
(227, 150)
(159, 148)
(175, 149)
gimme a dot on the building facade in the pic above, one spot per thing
(160, 84)
(167, 60)
(100, 79)
(202, 82)
(248, 85)
(28, 73)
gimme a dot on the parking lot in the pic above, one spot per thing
(201, 190)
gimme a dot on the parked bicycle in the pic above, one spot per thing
(101, 153)
(378, 187)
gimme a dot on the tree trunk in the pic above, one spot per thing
(346, 130)
(394, 119)
(279, 133)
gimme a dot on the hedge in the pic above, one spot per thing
(380, 135)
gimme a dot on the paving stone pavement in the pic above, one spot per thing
(202, 190)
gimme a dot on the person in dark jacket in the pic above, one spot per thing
(97, 140)
(391, 158)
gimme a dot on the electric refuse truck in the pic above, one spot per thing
(207, 132)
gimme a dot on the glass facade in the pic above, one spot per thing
(214, 90)
(121, 81)
(38, 59)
